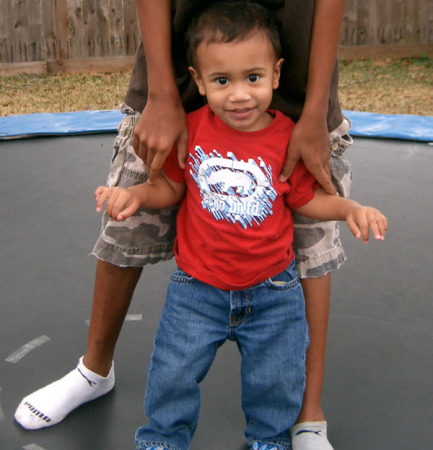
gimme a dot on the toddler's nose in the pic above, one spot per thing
(239, 93)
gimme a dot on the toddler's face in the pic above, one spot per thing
(238, 79)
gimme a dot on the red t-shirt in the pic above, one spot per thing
(234, 227)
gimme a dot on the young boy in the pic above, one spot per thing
(236, 278)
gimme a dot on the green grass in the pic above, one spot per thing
(25, 94)
(403, 86)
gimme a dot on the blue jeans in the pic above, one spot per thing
(268, 323)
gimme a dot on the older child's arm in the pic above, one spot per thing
(359, 218)
(310, 137)
(124, 202)
(163, 121)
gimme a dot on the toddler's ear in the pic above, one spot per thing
(198, 80)
(277, 73)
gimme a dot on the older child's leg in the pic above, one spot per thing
(94, 375)
(310, 433)
(317, 300)
(319, 252)
(114, 288)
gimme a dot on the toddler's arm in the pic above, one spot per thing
(124, 202)
(359, 218)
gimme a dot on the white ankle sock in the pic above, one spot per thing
(51, 404)
(310, 436)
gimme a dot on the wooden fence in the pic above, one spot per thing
(61, 31)
(59, 35)
(381, 22)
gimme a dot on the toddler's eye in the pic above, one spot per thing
(253, 78)
(222, 81)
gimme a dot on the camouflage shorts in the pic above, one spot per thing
(148, 236)
(317, 244)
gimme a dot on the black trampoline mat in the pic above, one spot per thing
(378, 390)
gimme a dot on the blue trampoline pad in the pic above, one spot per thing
(364, 124)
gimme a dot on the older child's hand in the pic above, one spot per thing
(121, 202)
(310, 142)
(362, 218)
(161, 125)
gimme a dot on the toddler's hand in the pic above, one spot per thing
(363, 218)
(121, 203)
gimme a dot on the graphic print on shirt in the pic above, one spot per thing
(233, 189)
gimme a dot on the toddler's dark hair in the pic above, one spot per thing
(228, 21)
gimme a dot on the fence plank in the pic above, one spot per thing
(426, 15)
(117, 21)
(49, 44)
(131, 28)
(397, 16)
(90, 30)
(76, 29)
(119, 63)
(36, 68)
(61, 29)
(357, 52)
(20, 31)
(6, 33)
(103, 38)
(348, 28)
(34, 28)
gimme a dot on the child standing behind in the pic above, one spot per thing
(236, 276)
